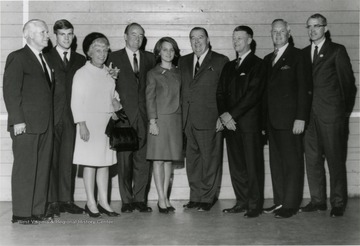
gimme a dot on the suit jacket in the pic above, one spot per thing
(199, 92)
(333, 80)
(162, 91)
(289, 89)
(63, 82)
(240, 92)
(131, 89)
(27, 95)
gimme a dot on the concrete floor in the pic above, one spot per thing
(186, 227)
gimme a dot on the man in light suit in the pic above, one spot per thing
(200, 74)
(28, 99)
(239, 103)
(65, 63)
(133, 169)
(326, 136)
(288, 99)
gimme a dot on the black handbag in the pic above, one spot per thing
(122, 138)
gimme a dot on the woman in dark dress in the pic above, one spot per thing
(164, 143)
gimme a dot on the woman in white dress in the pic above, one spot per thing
(93, 102)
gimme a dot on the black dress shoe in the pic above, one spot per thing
(91, 214)
(24, 220)
(252, 213)
(141, 207)
(284, 213)
(70, 207)
(108, 213)
(171, 209)
(235, 209)
(311, 207)
(162, 210)
(337, 212)
(204, 206)
(191, 205)
(53, 210)
(272, 209)
(127, 208)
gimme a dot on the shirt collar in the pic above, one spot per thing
(245, 55)
(319, 45)
(201, 58)
(61, 51)
(130, 54)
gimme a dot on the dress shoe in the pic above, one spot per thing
(311, 207)
(252, 213)
(236, 209)
(337, 212)
(43, 218)
(141, 207)
(70, 207)
(24, 220)
(191, 205)
(284, 213)
(171, 209)
(272, 209)
(108, 213)
(162, 210)
(204, 206)
(127, 208)
(91, 214)
(52, 210)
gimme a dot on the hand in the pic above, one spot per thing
(19, 129)
(230, 125)
(114, 72)
(114, 116)
(116, 104)
(299, 126)
(225, 117)
(84, 132)
(219, 125)
(154, 129)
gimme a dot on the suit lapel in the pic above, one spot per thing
(204, 65)
(32, 59)
(322, 54)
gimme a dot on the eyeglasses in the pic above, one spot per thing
(314, 26)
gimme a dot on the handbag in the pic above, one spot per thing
(122, 138)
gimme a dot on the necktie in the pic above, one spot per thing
(197, 66)
(45, 70)
(66, 61)
(274, 56)
(315, 55)
(136, 66)
(238, 62)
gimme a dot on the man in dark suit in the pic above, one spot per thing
(326, 136)
(28, 99)
(288, 99)
(133, 169)
(239, 103)
(65, 63)
(200, 73)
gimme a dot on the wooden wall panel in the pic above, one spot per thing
(176, 18)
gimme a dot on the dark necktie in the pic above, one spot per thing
(66, 61)
(136, 66)
(315, 55)
(238, 62)
(197, 66)
(45, 70)
(274, 56)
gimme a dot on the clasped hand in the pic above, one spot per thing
(154, 129)
(225, 120)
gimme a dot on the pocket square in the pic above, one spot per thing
(285, 67)
(242, 74)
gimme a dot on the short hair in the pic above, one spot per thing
(92, 39)
(158, 45)
(318, 16)
(29, 25)
(199, 28)
(283, 21)
(131, 25)
(246, 29)
(62, 24)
